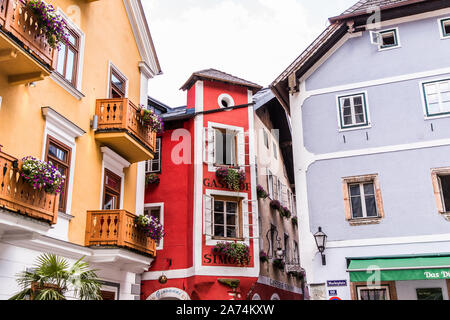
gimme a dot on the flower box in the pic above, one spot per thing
(237, 252)
(232, 177)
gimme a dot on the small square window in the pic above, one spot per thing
(445, 26)
(385, 39)
(353, 111)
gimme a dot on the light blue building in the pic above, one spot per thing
(370, 107)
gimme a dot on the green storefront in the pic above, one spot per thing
(379, 278)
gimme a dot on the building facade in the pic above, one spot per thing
(369, 102)
(77, 106)
(200, 210)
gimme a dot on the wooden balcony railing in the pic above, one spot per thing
(116, 228)
(17, 195)
(122, 114)
(20, 22)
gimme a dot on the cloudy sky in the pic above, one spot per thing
(252, 39)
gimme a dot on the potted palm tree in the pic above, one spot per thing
(52, 277)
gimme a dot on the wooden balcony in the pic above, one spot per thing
(120, 127)
(18, 196)
(25, 55)
(116, 228)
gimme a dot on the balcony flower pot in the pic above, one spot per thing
(238, 252)
(294, 221)
(50, 23)
(278, 264)
(150, 226)
(41, 175)
(263, 257)
(151, 120)
(152, 178)
(232, 177)
(261, 193)
(285, 212)
(275, 204)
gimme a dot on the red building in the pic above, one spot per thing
(197, 207)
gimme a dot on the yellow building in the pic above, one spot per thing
(79, 107)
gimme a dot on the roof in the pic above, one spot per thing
(362, 7)
(217, 75)
(338, 28)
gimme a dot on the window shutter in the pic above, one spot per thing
(442, 208)
(208, 211)
(208, 145)
(249, 210)
(241, 149)
(375, 38)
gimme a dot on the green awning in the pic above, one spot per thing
(397, 269)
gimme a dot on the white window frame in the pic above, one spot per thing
(362, 196)
(425, 99)
(239, 132)
(270, 184)
(245, 218)
(227, 98)
(159, 205)
(73, 90)
(149, 163)
(340, 112)
(441, 22)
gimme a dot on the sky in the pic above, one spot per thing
(252, 39)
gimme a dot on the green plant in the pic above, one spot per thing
(263, 257)
(52, 277)
(151, 226)
(153, 121)
(278, 263)
(239, 252)
(232, 177)
(261, 193)
(152, 178)
(41, 175)
(294, 221)
(51, 23)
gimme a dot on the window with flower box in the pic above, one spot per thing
(156, 210)
(60, 156)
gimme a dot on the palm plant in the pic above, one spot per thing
(52, 277)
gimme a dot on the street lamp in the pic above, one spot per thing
(321, 240)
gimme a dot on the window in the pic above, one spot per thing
(445, 27)
(225, 101)
(275, 152)
(429, 294)
(353, 111)
(68, 57)
(287, 249)
(266, 138)
(270, 184)
(388, 39)
(362, 199)
(155, 211)
(111, 192)
(441, 187)
(154, 165)
(373, 293)
(227, 218)
(225, 147)
(60, 156)
(296, 253)
(118, 84)
(437, 97)
(272, 240)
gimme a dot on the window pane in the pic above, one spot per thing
(231, 220)
(219, 231)
(388, 39)
(218, 206)
(61, 58)
(347, 111)
(368, 189)
(430, 294)
(357, 101)
(359, 118)
(371, 206)
(445, 186)
(117, 82)
(433, 98)
(346, 102)
(356, 207)
(218, 218)
(347, 120)
(56, 152)
(231, 232)
(355, 190)
(70, 65)
(433, 108)
(447, 28)
(231, 207)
